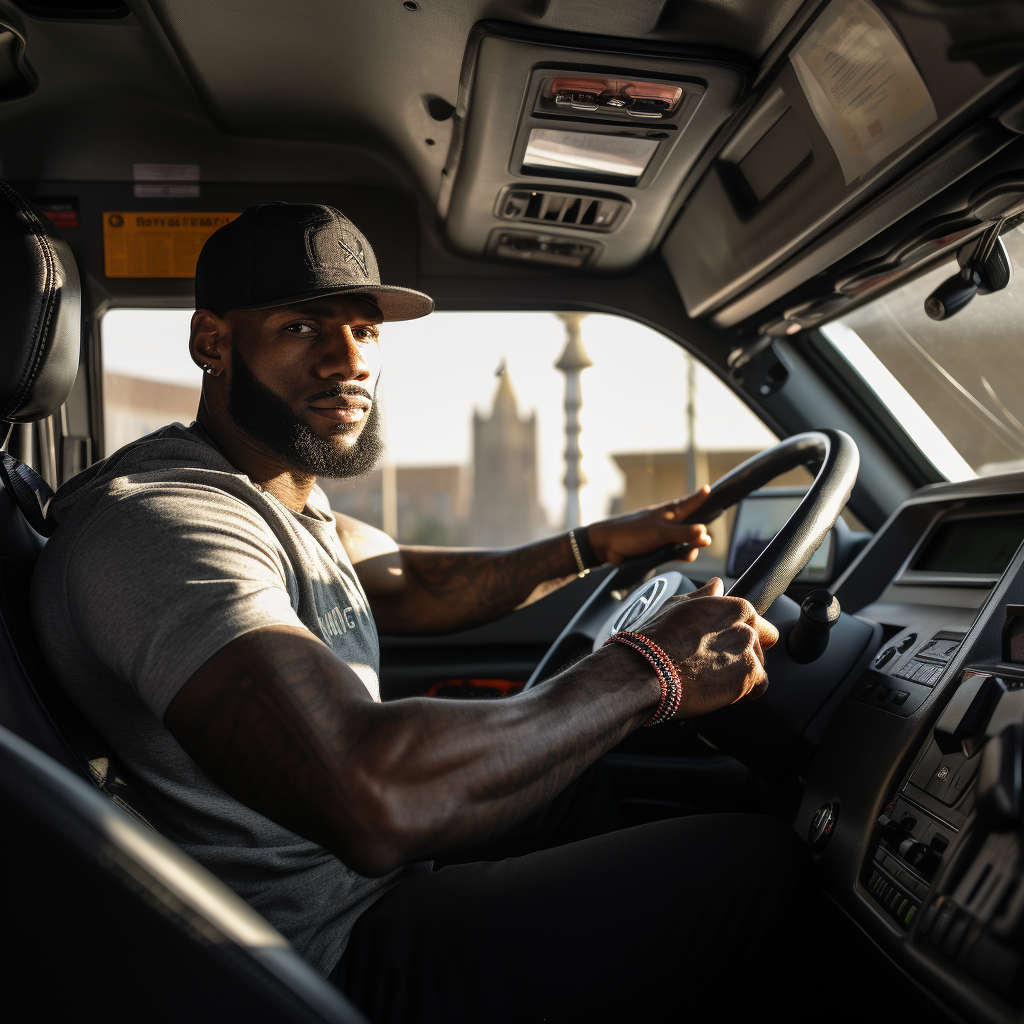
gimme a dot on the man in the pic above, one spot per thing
(202, 606)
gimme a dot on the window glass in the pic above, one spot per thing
(957, 385)
(476, 428)
(475, 421)
(149, 380)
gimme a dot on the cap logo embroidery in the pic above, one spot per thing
(358, 257)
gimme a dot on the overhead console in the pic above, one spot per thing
(886, 99)
(572, 150)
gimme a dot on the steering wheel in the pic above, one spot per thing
(613, 606)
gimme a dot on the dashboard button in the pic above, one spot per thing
(885, 657)
(941, 781)
(883, 692)
(822, 826)
(907, 642)
(900, 697)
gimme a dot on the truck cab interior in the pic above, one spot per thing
(819, 203)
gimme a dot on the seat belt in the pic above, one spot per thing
(31, 493)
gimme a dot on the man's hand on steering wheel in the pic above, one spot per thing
(718, 645)
(648, 529)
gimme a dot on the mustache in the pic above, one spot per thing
(337, 390)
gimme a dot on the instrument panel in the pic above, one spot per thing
(913, 800)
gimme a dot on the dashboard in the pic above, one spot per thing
(912, 798)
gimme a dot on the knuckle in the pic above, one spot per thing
(748, 633)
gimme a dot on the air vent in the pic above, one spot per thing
(591, 212)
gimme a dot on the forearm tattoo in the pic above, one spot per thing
(458, 589)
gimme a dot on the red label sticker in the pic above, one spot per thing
(63, 211)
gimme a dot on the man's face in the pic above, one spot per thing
(303, 383)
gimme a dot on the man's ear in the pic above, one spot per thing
(208, 341)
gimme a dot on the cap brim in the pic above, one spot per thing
(394, 301)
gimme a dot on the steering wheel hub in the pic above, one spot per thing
(642, 604)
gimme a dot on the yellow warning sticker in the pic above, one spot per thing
(157, 244)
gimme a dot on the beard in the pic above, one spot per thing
(269, 421)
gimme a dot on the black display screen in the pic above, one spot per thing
(975, 546)
(1013, 634)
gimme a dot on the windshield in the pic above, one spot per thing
(957, 385)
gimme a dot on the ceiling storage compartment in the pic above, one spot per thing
(546, 122)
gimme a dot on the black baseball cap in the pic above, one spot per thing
(276, 254)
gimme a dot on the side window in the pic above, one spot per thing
(148, 378)
(476, 408)
(475, 413)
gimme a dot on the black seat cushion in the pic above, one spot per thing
(106, 921)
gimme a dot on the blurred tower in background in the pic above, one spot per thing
(506, 508)
(572, 362)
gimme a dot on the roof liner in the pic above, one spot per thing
(314, 69)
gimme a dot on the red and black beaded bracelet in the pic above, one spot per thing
(665, 669)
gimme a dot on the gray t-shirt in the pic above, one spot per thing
(163, 554)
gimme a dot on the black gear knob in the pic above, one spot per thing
(808, 639)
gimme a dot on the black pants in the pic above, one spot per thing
(652, 923)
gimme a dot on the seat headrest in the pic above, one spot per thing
(40, 316)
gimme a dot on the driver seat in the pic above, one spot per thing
(105, 917)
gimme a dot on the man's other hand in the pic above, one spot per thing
(718, 645)
(637, 533)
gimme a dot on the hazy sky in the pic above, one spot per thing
(438, 369)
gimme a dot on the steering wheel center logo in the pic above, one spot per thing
(644, 603)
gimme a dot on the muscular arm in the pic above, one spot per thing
(281, 723)
(414, 591)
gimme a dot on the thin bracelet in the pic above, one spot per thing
(583, 551)
(665, 669)
(583, 570)
(675, 689)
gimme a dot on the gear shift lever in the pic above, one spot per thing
(808, 639)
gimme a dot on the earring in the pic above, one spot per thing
(209, 369)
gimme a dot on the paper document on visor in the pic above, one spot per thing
(862, 85)
(143, 244)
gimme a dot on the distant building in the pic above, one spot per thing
(135, 407)
(506, 508)
(433, 502)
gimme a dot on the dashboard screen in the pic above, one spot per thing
(976, 546)
(1013, 635)
(758, 518)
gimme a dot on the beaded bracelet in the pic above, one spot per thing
(664, 667)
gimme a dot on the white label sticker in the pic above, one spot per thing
(161, 191)
(862, 85)
(165, 172)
